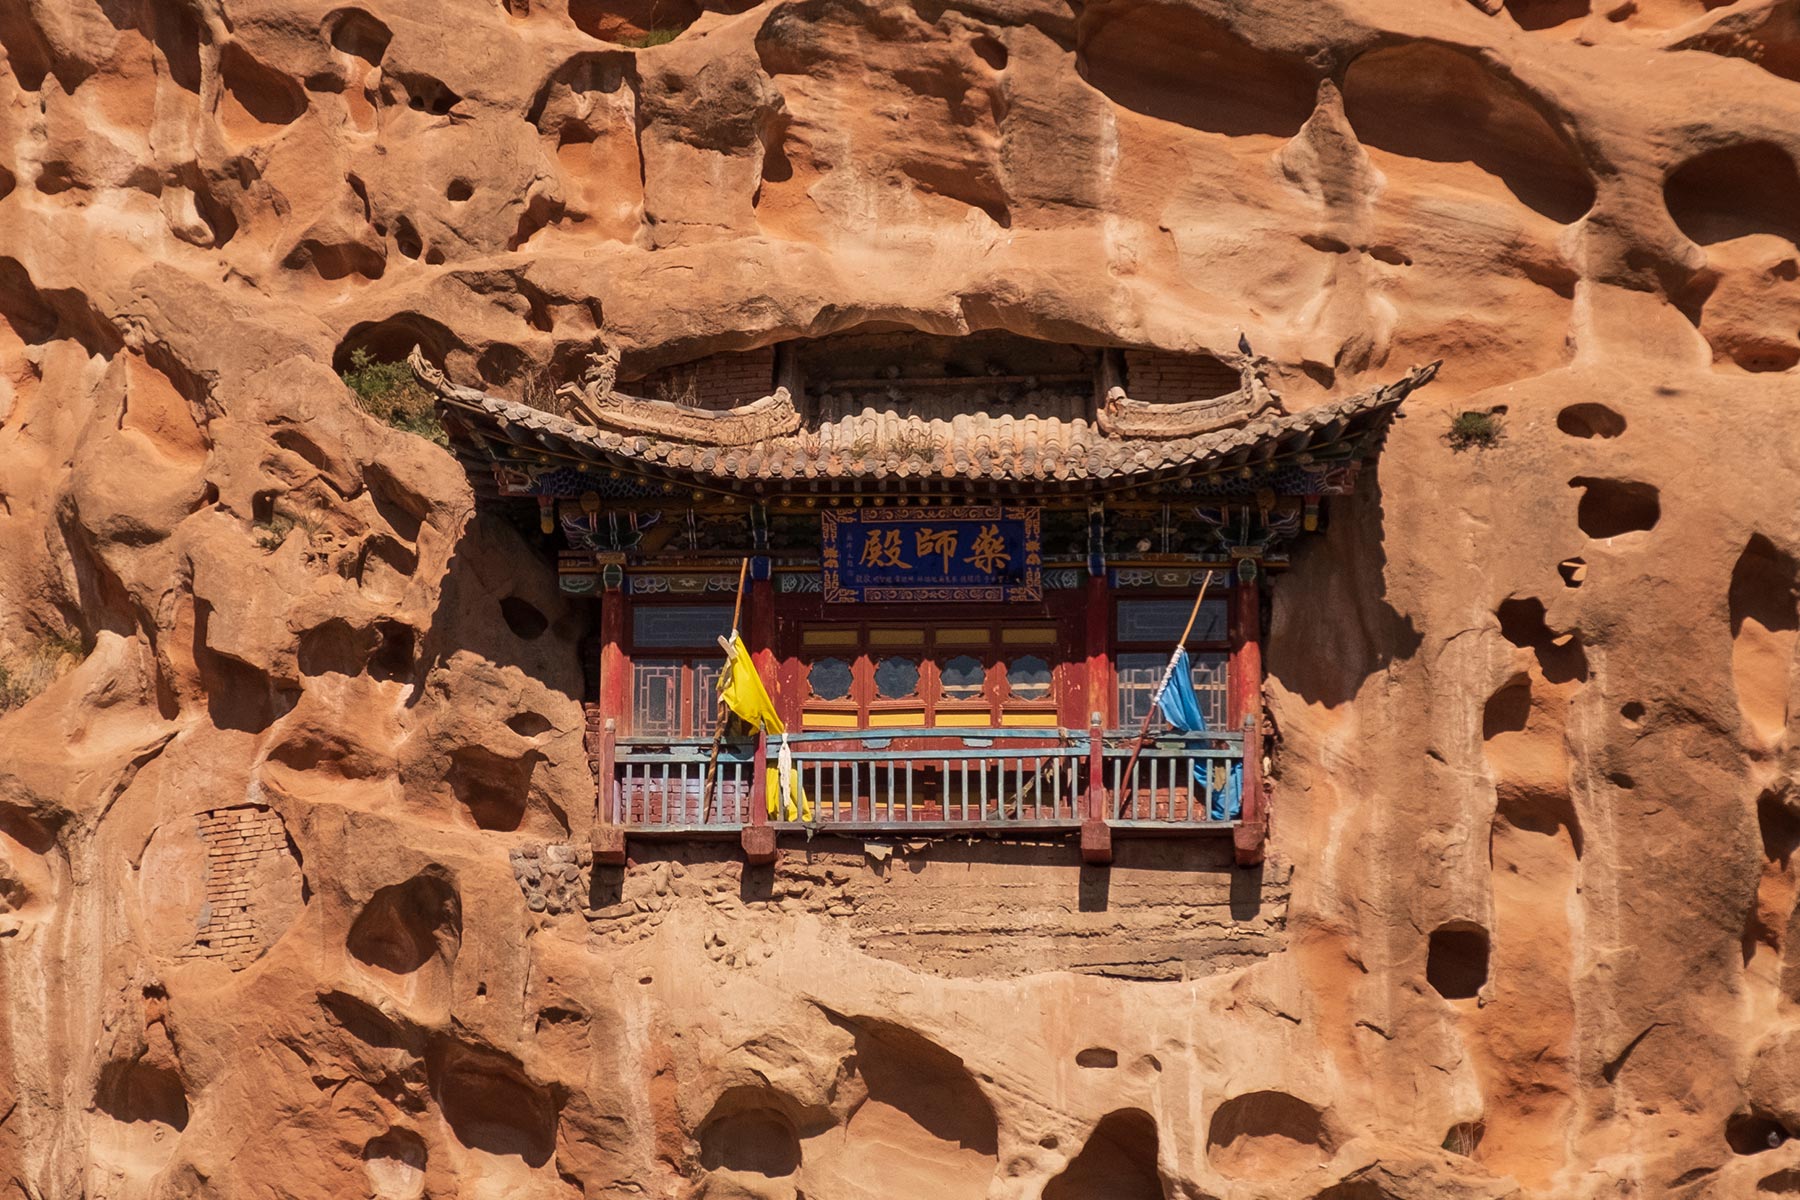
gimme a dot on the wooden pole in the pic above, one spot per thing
(1127, 779)
(712, 759)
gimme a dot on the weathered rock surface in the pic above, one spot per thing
(1529, 923)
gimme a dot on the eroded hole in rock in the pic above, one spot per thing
(403, 509)
(501, 363)
(1175, 64)
(459, 190)
(1097, 1056)
(926, 1120)
(1736, 191)
(353, 31)
(1615, 507)
(370, 1026)
(1560, 655)
(140, 1089)
(491, 1105)
(395, 1163)
(631, 20)
(1542, 809)
(1118, 1162)
(494, 789)
(333, 648)
(256, 95)
(27, 53)
(392, 339)
(1590, 421)
(421, 92)
(1632, 711)
(1573, 571)
(1267, 1135)
(1456, 963)
(393, 657)
(179, 35)
(1545, 14)
(1508, 709)
(1764, 621)
(1429, 102)
(1779, 824)
(406, 925)
(529, 724)
(1754, 1133)
(1757, 355)
(750, 1130)
(407, 239)
(386, 564)
(1785, 1182)
(1464, 1138)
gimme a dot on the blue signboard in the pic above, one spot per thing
(976, 552)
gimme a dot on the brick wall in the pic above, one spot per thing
(1158, 377)
(246, 846)
(719, 381)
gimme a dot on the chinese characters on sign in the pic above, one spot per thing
(963, 552)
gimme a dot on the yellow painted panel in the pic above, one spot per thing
(896, 637)
(963, 637)
(1027, 635)
(1029, 720)
(829, 720)
(828, 637)
(897, 720)
(956, 720)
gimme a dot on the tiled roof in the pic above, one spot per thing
(873, 444)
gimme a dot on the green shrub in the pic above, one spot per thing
(1473, 430)
(656, 37)
(390, 392)
(272, 532)
(23, 676)
(14, 691)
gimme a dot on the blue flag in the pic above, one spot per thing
(1180, 706)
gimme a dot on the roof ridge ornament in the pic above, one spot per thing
(1122, 417)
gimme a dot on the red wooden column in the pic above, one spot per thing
(615, 689)
(761, 635)
(1244, 707)
(1099, 649)
(1096, 834)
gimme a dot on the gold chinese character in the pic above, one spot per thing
(881, 548)
(989, 551)
(941, 542)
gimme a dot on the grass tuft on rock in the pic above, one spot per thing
(656, 37)
(26, 673)
(388, 391)
(1474, 431)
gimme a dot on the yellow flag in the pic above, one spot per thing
(742, 691)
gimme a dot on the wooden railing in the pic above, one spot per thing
(925, 780)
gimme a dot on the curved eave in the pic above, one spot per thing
(486, 431)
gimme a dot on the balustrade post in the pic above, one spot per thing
(758, 836)
(1253, 824)
(608, 835)
(1096, 834)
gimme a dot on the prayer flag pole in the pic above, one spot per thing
(1127, 779)
(712, 760)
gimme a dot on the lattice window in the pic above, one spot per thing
(1140, 672)
(674, 697)
(656, 695)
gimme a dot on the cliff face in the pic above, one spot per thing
(293, 757)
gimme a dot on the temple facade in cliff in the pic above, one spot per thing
(969, 559)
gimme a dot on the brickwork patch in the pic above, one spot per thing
(250, 873)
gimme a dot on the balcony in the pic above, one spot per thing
(904, 782)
